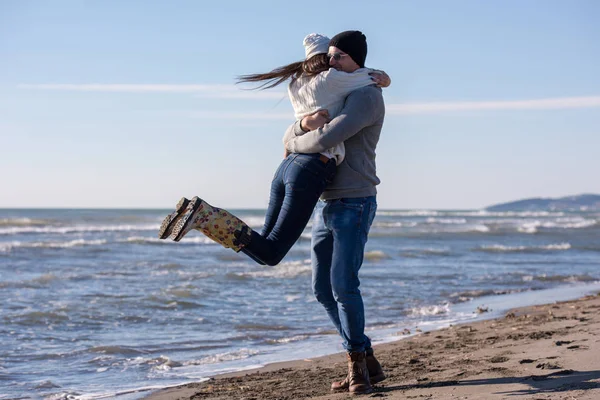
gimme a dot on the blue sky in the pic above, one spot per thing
(133, 104)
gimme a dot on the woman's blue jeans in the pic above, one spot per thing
(296, 188)
(339, 234)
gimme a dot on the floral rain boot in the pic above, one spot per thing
(166, 228)
(216, 223)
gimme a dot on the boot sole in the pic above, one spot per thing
(373, 379)
(183, 222)
(377, 379)
(166, 228)
(359, 392)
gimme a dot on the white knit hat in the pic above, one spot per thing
(314, 44)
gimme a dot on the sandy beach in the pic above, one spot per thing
(540, 352)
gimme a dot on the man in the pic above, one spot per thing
(346, 210)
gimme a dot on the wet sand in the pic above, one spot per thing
(541, 352)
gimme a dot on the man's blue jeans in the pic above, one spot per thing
(296, 187)
(339, 234)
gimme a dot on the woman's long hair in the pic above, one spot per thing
(313, 66)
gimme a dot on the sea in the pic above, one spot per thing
(94, 305)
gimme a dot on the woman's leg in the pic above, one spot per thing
(275, 204)
(276, 198)
(301, 180)
(304, 179)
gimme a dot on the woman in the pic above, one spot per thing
(300, 179)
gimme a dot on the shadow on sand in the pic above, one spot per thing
(555, 382)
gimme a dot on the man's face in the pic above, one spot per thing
(340, 60)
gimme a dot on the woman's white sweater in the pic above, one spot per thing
(326, 91)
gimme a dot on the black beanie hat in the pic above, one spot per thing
(353, 43)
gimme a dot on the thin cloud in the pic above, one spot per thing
(258, 116)
(217, 91)
(536, 104)
(245, 94)
(204, 91)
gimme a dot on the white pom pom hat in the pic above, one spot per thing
(314, 44)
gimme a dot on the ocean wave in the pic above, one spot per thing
(408, 213)
(459, 221)
(156, 241)
(394, 224)
(7, 247)
(46, 385)
(222, 357)
(570, 224)
(381, 229)
(559, 278)
(33, 318)
(471, 294)
(290, 298)
(160, 363)
(288, 269)
(499, 248)
(428, 311)
(253, 222)
(263, 327)
(561, 223)
(418, 253)
(467, 213)
(23, 222)
(40, 281)
(77, 229)
(480, 228)
(376, 255)
(115, 349)
(286, 340)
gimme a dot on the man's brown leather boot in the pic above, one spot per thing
(357, 380)
(376, 373)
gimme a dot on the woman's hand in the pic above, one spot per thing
(380, 78)
(314, 121)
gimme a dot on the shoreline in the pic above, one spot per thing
(537, 350)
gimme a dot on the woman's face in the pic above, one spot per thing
(340, 60)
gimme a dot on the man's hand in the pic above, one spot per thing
(380, 78)
(315, 120)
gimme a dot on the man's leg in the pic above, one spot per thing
(321, 253)
(350, 220)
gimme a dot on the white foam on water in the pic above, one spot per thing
(22, 222)
(78, 229)
(396, 224)
(288, 339)
(499, 248)
(446, 221)
(441, 309)
(467, 213)
(240, 354)
(559, 278)
(186, 240)
(570, 224)
(288, 269)
(9, 246)
(408, 213)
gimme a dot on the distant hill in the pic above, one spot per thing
(589, 202)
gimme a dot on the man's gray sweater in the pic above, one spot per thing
(358, 126)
